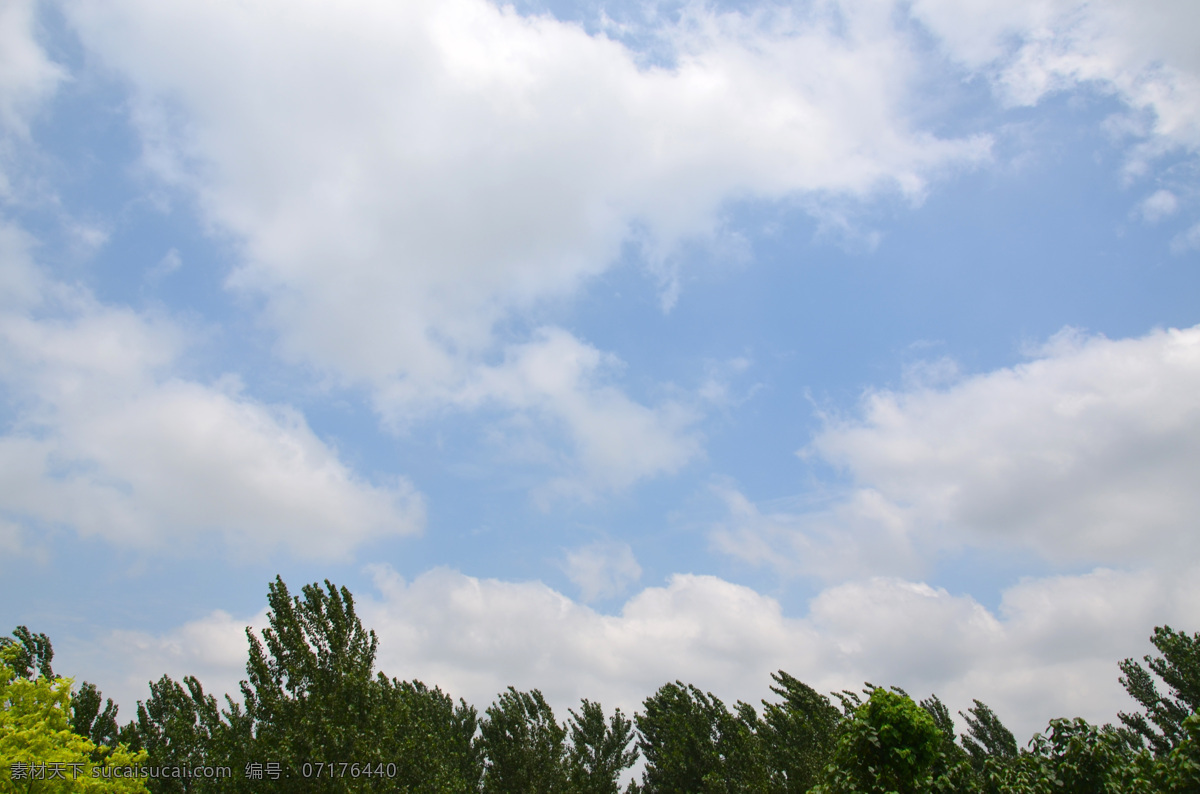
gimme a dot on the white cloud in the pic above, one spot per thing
(1051, 650)
(602, 570)
(614, 440)
(1186, 241)
(21, 283)
(1144, 52)
(108, 442)
(170, 262)
(1158, 205)
(1085, 453)
(863, 532)
(27, 79)
(405, 177)
(27, 76)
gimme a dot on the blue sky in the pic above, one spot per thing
(595, 345)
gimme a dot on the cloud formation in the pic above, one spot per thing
(27, 79)
(613, 440)
(1142, 52)
(1158, 205)
(27, 76)
(108, 441)
(602, 569)
(404, 179)
(1083, 454)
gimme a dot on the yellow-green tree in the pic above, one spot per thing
(38, 750)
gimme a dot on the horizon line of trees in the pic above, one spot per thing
(316, 716)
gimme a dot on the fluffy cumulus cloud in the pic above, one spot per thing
(106, 440)
(1143, 52)
(1083, 454)
(1050, 649)
(478, 636)
(405, 177)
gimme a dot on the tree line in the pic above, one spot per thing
(315, 716)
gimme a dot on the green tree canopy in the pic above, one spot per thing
(800, 733)
(431, 739)
(889, 744)
(986, 736)
(309, 688)
(692, 743)
(600, 751)
(30, 653)
(680, 730)
(1179, 668)
(38, 749)
(315, 707)
(90, 721)
(1076, 757)
(181, 726)
(524, 745)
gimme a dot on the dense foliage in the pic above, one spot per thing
(316, 716)
(39, 749)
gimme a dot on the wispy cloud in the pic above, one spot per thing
(1141, 52)
(602, 570)
(27, 76)
(1158, 205)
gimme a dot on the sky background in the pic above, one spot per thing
(597, 345)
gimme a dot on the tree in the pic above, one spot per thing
(524, 745)
(679, 728)
(951, 770)
(310, 692)
(1181, 769)
(1179, 669)
(30, 653)
(89, 721)
(742, 748)
(316, 718)
(430, 738)
(181, 726)
(889, 744)
(987, 737)
(799, 733)
(989, 746)
(37, 746)
(692, 743)
(1076, 757)
(599, 751)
